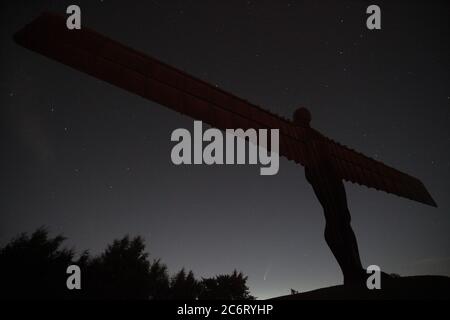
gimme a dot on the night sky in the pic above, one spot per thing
(92, 161)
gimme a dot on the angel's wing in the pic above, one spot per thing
(108, 60)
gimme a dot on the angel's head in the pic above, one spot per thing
(302, 117)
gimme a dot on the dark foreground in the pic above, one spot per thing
(404, 288)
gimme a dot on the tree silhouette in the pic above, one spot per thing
(226, 287)
(122, 271)
(184, 286)
(159, 281)
(35, 267)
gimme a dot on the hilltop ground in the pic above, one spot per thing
(403, 288)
